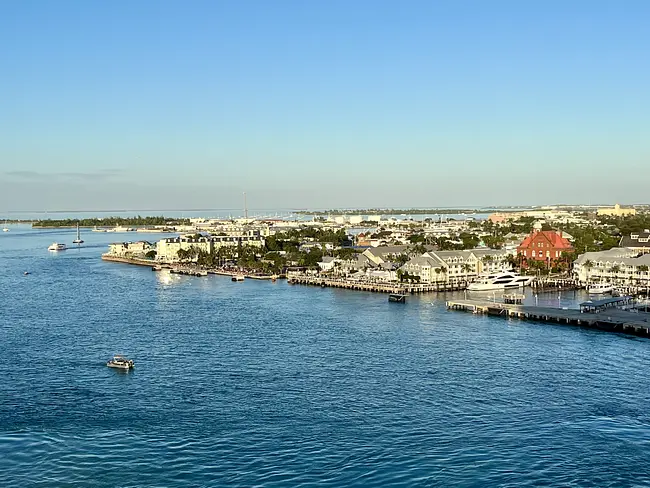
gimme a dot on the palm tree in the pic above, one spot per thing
(643, 268)
(588, 265)
(443, 270)
(467, 269)
(438, 271)
(615, 270)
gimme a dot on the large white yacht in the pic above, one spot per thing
(500, 280)
(55, 246)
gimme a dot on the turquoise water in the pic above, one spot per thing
(266, 384)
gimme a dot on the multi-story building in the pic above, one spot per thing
(616, 211)
(620, 266)
(167, 249)
(456, 266)
(547, 246)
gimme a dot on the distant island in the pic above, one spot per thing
(112, 222)
(404, 211)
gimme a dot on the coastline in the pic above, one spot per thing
(185, 269)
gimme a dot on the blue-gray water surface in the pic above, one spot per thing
(271, 385)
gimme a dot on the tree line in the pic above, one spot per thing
(112, 222)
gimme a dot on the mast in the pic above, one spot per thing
(245, 208)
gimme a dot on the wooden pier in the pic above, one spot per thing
(609, 319)
(549, 285)
(398, 288)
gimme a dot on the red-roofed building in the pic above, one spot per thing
(546, 245)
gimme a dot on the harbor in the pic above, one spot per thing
(618, 314)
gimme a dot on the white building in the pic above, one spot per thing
(619, 266)
(456, 266)
(167, 249)
(328, 263)
(130, 249)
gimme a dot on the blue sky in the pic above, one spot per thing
(159, 104)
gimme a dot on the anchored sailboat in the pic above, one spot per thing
(78, 240)
(5, 228)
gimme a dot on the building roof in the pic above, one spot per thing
(614, 253)
(636, 239)
(557, 240)
(426, 260)
(381, 251)
(489, 252)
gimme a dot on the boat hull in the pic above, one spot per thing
(600, 291)
(119, 366)
(486, 287)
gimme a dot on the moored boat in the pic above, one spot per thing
(500, 281)
(600, 288)
(237, 277)
(78, 240)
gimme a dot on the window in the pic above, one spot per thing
(548, 254)
(533, 254)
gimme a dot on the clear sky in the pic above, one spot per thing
(134, 104)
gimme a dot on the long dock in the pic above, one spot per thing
(611, 320)
(373, 287)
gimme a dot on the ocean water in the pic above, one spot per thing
(271, 385)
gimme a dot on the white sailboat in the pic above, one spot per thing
(78, 240)
(5, 228)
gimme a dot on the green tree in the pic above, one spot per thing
(416, 249)
(401, 259)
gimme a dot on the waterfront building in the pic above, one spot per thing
(328, 263)
(382, 254)
(167, 249)
(619, 266)
(591, 266)
(615, 211)
(547, 246)
(130, 249)
(638, 241)
(456, 266)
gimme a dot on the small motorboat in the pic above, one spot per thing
(26, 273)
(397, 298)
(120, 362)
(55, 246)
(237, 277)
